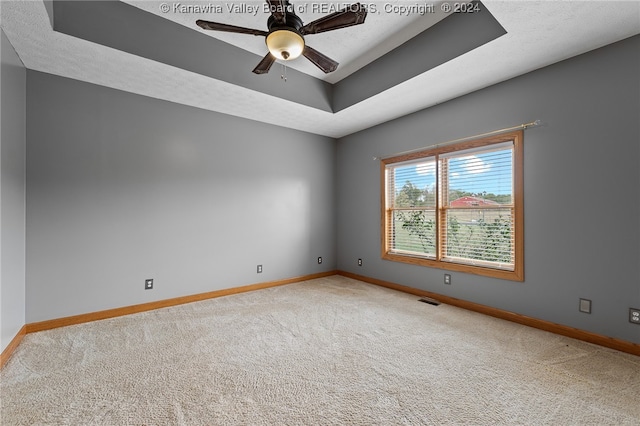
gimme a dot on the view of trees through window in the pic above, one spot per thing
(490, 232)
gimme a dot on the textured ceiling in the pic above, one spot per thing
(352, 47)
(539, 33)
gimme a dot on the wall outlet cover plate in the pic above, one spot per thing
(585, 306)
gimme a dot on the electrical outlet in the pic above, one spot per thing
(447, 279)
(319, 260)
(359, 262)
(259, 269)
(585, 306)
(634, 316)
(148, 284)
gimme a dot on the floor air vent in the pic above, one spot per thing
(429, 301)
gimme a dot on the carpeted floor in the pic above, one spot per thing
(322, 352)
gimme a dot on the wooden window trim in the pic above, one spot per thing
(517, 274)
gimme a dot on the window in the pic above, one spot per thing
(457, 207)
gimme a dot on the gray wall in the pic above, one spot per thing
(12, 193)
(582, 169)
(121, 188)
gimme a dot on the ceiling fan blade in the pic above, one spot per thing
(278, 10)
(351, 15)
(215, 26)
(265, 64)
(326, 64)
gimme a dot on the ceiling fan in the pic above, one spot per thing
(285, 38)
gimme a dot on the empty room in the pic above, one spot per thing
(319, 213)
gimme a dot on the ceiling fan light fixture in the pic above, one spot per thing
(285, 44)
(285, 38)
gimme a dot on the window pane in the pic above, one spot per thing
(484, 235)
(414, 184)
(414, 231)
(480, 179)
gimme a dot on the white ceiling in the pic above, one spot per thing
(539, 33)
(352, 47)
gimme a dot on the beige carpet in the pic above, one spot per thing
(323, 352)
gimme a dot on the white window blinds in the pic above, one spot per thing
(477, 206)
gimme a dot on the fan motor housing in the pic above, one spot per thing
(292, 23)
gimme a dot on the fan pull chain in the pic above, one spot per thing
(283, 76)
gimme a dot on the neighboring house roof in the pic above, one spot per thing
(471, 202)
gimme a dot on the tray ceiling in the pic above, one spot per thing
(391, 65)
